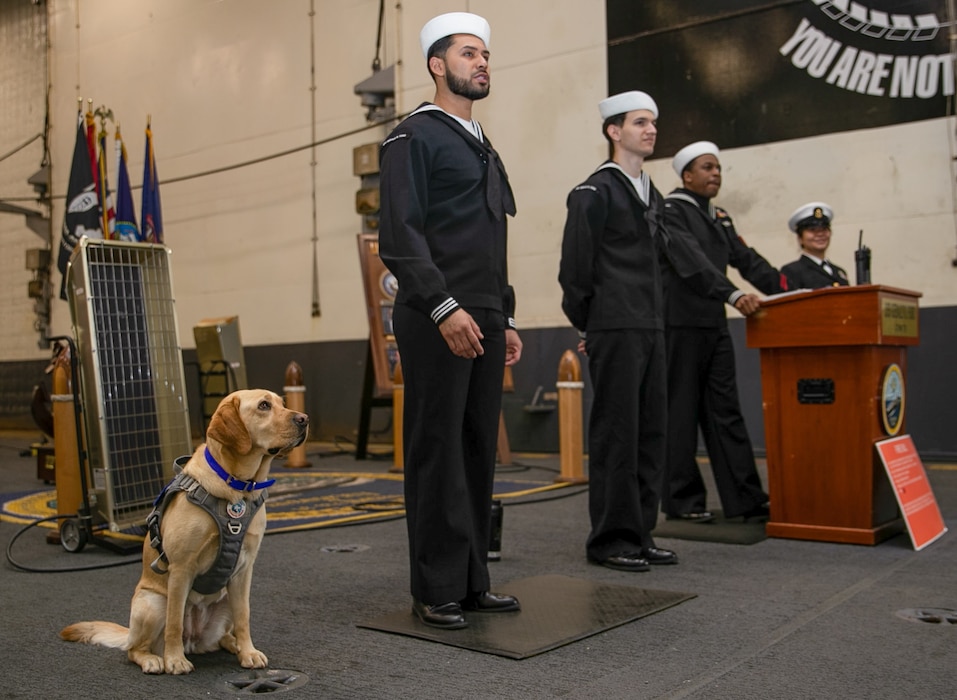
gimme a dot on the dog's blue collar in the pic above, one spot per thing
(231, 481)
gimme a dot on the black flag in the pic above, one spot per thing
(83, 215)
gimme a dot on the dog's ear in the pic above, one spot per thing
(228, 428)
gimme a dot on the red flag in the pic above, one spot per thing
(91, 146)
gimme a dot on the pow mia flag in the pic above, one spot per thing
(83, 215)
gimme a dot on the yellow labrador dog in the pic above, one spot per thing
(193, 594)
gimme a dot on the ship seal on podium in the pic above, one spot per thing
(892, 399)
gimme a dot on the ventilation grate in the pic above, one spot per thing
(266, 681)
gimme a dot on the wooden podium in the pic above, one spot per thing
(823, 357)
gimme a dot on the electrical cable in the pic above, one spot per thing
(246, 163)
(21, 147)
(90, 567)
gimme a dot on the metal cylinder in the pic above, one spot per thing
(295, 391)
(66, 445)
(398, 405)
(570, 428)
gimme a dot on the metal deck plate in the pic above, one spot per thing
(556, 610)
(733, 531)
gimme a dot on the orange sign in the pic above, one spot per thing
(913, 492)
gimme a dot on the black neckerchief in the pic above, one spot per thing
(708, 210)
(498, 191)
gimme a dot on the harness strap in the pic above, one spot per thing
(232, 519)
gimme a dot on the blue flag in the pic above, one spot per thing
(151, 225)
(126, 228)
(83, 215)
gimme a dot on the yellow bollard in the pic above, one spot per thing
(295, 392)
(398, 404)
(66, 445)
(570, 430)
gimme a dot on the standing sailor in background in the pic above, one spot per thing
(702, 386)
(614, 245)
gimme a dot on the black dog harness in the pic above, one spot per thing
(231, 518)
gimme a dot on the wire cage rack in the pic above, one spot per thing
(132, 389)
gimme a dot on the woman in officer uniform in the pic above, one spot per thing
(812, 224)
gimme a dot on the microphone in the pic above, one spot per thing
(862, 260)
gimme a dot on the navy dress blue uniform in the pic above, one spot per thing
(443, 234)
(813, 270)
(702, 384)
(808, 273)
(613, 250)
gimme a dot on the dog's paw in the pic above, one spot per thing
(229, 643)
(151, 663)
(253, 659)
(178, 665)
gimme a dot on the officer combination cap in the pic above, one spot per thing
(687, 154)
(453, 23)
(626, 102)
(810, 214)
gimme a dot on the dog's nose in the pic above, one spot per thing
(301, 419)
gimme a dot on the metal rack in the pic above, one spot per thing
(132, 388)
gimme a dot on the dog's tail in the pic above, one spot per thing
(107, 634)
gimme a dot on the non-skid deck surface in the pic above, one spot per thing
(733, 531)
(556, 610)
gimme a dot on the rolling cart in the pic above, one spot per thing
(130, 395)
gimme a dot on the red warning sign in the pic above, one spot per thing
(913, 492)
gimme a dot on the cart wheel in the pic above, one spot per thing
(72, 535)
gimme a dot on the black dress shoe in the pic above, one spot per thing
(659, 556)
(627, 561)
(447, 616)
(491, 602)
(704, 516)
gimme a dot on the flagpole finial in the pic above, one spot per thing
(104, 113)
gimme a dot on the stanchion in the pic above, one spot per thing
(570, 430)
(295, 391)
(398, 402)
(66, 444)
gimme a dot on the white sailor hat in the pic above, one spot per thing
(810, 214)
(687, 154)
(453, 23)
(626, 102)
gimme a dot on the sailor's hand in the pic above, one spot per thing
(462, 334)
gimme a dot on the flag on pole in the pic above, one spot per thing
(126, 229)
(151, 224)
(103, 188)
(82, 216)
(91, 142)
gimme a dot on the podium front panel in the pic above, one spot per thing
(825, 481)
